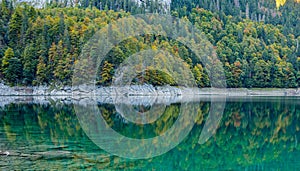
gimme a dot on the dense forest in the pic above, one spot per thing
(257, 42)
(285, 13)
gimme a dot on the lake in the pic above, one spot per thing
(244, 133)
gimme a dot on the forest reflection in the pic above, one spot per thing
(253, 132)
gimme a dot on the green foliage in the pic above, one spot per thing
(106, 73)
(15, 25)
(261, 74)
(9, 54)
(201, 78)
(266, 11)
(11, 67)
(132, 6)
(30, 63)
(154, 77)
(47, 42)
(42, 72)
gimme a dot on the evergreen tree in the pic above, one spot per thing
(106, 73)
(201, 78)
(9, 54)
(262, 74)
(15, 26)
(11, 67)
(42, 72)
(30, 63)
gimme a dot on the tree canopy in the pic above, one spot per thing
(39, 46)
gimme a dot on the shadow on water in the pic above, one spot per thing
(253, 133)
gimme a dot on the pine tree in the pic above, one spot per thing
(12, 67)
(61, 25)
(262, 74)
(41, 72)
(9, 54)
(4, 20)
(201, 77)
(15, 26)
(106, 73)
(30, 63)
(52, 59)
(63, 71)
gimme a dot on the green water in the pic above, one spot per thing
(254, 134)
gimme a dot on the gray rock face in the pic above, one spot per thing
(138, 90)
(85, 90)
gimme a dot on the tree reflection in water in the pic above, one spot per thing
(253, 133)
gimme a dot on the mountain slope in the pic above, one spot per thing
(40, 46)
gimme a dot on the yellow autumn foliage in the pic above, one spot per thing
(282, 2)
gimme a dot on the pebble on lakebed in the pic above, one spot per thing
(4, 153)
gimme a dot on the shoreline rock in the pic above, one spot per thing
(142, 90)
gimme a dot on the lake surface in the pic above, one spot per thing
(254, 133)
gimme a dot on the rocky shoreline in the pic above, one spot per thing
(141, 90)
(134, 95)
(134, 90)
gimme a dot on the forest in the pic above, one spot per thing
(257, 41)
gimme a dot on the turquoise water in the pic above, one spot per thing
(260, 133)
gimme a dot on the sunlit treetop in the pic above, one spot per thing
(282, 2)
